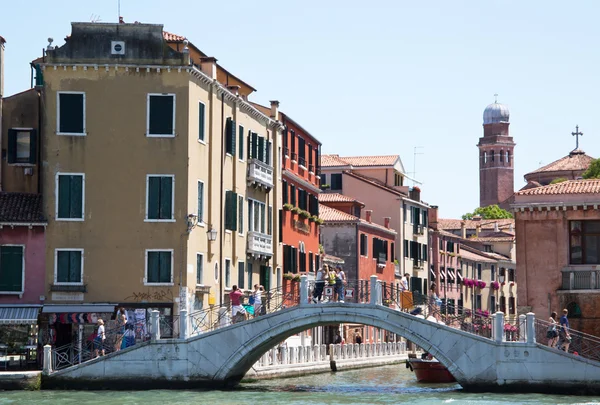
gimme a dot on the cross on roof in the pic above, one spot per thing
(495, 97)
(577, 134)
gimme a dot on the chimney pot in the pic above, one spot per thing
(386, 221)
(208, 65)
(463, 229)
(476, 217)
(368, 214)
(235, 89)
(275, 110)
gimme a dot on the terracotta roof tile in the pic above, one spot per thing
(470, 224)
(169, 37)
(589, 186)
(375, 182)
(329, 214)
(332, 160)
(493, 239)
(358, 161)
(21, 208)
(336, 197)
(467, 255)
(576, 160)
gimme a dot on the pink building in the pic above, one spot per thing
(558, 251)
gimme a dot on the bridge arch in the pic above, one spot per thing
(264, 332)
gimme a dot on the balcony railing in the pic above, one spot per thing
(294, 156)
(302, 161)
(260, 244)
(580, 279)
(260, 174)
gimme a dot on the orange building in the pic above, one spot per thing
(299, 217)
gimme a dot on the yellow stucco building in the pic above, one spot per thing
(148, 156)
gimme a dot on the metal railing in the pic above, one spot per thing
(582, 344)
(580, 279)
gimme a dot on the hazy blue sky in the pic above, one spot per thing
(381, 77)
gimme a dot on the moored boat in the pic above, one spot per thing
(429, 370)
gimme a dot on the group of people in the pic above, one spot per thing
(124, 334)
(238, 312)
(334, 278)
(558, 332)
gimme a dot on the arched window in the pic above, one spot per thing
(484, 157)
(574, 310)
(491, 156)
(501, 156)
(508, 157)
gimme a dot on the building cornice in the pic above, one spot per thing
(192, 70)
(557, 206)
(293, 176)
(28, 224)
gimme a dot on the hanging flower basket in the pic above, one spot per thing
(468, 282)
(480, 284)
(287, 207)
(295, 210)
(320, 221)
(512, 283)
(304, 214)
(495, 285)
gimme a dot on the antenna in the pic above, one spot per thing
(119, 9)
(95, 18)
(414, 172)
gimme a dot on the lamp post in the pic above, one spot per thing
(212, 234)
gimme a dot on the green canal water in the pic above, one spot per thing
(382, 385)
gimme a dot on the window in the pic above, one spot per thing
(22, 145)
(479, 271)
(404, 212)
(199, 269)
(511, 305)
(278, 274)
(284, 136)
(256, 216)
(493, 273)
(241, 142)
(311, 262)
(336, 181)
(492, 304)
(216, 272)
(231, 211)
(502, 304)
(302, 199)
(293, 140)
(324, 179)
(200, 202)
(293, 195)
(485, 157)
(227, 273)
(241, 272)
(230, 136)
(397, 179)
(240, 215)
(478, 302)
(491, 156)
(70, 196)
(311, 167)
(12, 266)
(302, 152)
(70, 117)
(259, 148)
(511, 275)
(405, 248)
(508, 157)
(249, 271)
(285, 192)
(161, 115)
(159, 266)
(364, 247)
(270, 221)
(302, 259)
(160, 197)
(584, 242)
(393, 252)
(201, 121)
(68, 265)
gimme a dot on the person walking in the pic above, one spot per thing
(258, 291)
(330, 276)
(564, 337)
(99, 339)
(340, 278)
(319, 285)
(121, 321)
(552, 333)
(238, 313)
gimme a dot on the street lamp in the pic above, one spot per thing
(212, 234)
(192, 221)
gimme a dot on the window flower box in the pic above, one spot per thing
(495, 285)
(287, 207)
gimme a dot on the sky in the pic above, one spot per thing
(381, 77)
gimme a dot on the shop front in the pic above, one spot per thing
(139, 314)
(19, 348)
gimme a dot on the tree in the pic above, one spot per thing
(558, 180)
(489, 212)
(593, 172)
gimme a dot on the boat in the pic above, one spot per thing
(429, 370)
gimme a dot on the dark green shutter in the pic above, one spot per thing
(268, 153)
(74, 266)
(230, 210)
(62, 264)
(32, 146)
(71, 113)
(12, 146)
(153, 267)
(241, 145)
(249, 145)
(153, 197)
(161, 115)
(270, 221)
(64, 196)
(232, 135)
(166, 198)
(293, 195)
(201, 120)
(76, 197)
(254, 145)
(240, 269)
(164, 267)
(261, 148)
(11, 268)
(285, 192)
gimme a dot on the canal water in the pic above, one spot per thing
(382, 385)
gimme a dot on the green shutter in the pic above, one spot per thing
(261, 148)
(254, 145)
(228, 145)
(12, 146)
(232, 136)
(64, 193)
(166, 198)
(285, 192)
(241, 144)
(153, 197)
(32, 146)
(71, 113)
(164, 267)
(199, 269)
(240, 269)
(76, 197)
(201, 121)
(161, 115)
(250, 143)
(11, 268)
(74, 266)
(62, 266)
(268, 152)
(153, 267)
(230, 210)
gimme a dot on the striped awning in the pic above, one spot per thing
(19, 315)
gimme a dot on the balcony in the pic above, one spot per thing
(260, 174)
(585, 279)
(260, 245)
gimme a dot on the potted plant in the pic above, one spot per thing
(313, 218)
(287, 207)
(481, 284)
(295, 210)
(304, 214)
(296, 278)
(320, 221)
(324, 186)
(495, 285)
(288, 276)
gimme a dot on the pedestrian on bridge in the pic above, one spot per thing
(319, 285)
(238, 313)
(552, 333)
(257, 294)
(340, 277)
(564, 337)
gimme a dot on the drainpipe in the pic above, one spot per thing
(221, 208)
(39, 141)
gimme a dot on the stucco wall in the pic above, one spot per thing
(340, 240)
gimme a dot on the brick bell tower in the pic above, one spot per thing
(496, 158)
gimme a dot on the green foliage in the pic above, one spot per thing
(593, 172)
(489, 212)
(558, 180)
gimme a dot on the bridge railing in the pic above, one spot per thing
(582, 344)
(348, 291)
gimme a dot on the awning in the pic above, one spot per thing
(459, 276)
(451, 273)
(19, 315)
(432, 272)
(98, 308)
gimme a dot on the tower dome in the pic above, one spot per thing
(495, 113)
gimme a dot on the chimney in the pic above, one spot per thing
(463, 229)
(368, 214)
(275, 109)
(186, 53)
(386, 222)
(433, 216)
(208, 65)
(476, 218)
(477, 230)
(496, 229)
(415, 194)
(235, 89)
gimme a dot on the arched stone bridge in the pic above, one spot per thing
(222, 357)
